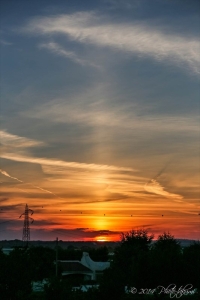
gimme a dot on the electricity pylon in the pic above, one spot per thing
(26, 228)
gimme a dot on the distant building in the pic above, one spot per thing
(7, 250)
(85, 288)
(75, 267)
(38, 286)
(89, 269)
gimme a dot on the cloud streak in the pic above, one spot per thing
(37, 187)
(20, 142)
(52, 162)
(59, 50)
(101, 114)
(7, 175)
(156, 188)
(134, 38)
(119, 187)
(16, 141)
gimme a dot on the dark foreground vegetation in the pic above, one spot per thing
(160, 270)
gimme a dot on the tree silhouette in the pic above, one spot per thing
(125, 269)
(191, 257)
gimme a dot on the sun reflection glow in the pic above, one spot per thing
(102, 239)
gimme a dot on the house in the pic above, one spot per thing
(86, 267)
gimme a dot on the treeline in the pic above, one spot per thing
(159, 270)
(141, 265)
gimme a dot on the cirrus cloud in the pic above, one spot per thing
(133, 38)
(156, 188)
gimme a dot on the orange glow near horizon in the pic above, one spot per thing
(76, 212)
(102, 239)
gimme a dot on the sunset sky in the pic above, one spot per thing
(100, 127)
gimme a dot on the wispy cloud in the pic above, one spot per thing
(60, 163)
(16, 141)
(113, 185)
(15, 178)
(7, 138)
(7, 175)
(153, 186)
(156, 188)
(59, 50)
(102, 113)
(133, 38)
(21, 142)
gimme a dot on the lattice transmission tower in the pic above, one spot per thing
(27, 220)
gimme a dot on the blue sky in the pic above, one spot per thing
(100, 112)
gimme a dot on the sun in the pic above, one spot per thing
(101, 239)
